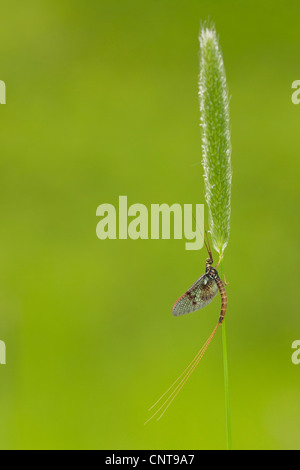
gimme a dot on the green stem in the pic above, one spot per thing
(226, 381)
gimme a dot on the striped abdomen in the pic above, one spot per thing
(223, 294)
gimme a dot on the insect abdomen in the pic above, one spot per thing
(223, 294)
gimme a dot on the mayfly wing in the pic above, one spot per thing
(196, 297)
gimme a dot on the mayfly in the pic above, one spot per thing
(198, 296)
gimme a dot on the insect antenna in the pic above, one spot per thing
(186, 375)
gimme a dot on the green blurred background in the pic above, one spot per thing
(102, 101)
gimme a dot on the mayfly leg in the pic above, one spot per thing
(209, 261)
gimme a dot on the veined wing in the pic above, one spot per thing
(196, 297)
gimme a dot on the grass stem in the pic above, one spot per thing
(226, 383)
(226, 379)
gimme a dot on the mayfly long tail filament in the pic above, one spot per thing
(183, 372)
(186, 374)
